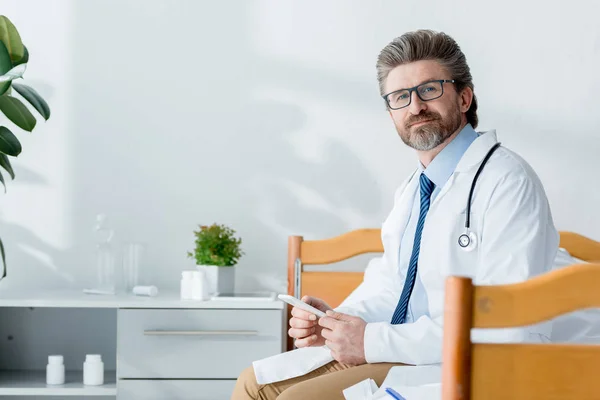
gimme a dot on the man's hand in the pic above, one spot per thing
(345, 336)
(304, 326)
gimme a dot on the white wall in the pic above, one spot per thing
(265, 115)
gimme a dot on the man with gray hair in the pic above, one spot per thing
(451, 216)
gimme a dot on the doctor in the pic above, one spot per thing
(471, 208)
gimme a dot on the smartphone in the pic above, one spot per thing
(300, 304)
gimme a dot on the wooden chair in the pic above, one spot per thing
(580, 246)
(519, 371)
(335, 286)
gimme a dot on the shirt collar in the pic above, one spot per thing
(443, 165)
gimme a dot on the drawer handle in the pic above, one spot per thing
(200, 333)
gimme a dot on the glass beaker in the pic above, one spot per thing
(105, 261)
(133, 253)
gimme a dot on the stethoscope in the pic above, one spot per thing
(468, 240)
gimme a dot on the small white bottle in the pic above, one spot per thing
(93, 370)
(55, 371)
(186, 285)
(150, 291)
(198, 292)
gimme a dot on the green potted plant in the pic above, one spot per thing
(217, 252)
(14, 57)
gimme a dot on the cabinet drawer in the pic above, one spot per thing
(207, 344)
(175, 389)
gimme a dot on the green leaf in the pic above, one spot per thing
(5, 66)
(9, 144)
(5, 163)
(24, 59)
(14, 73)
(17, 112)
(2, 180)
(34, 99)
(3, 260)
(11, 38)
(216, 245)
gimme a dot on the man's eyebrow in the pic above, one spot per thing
(420, 83)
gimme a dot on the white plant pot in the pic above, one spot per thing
(220, 279)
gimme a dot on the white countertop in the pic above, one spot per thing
(78, 299)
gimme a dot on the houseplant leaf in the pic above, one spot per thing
(34, 99)
(9, 144)
(23, 59)
(3, 260)
(17, 113)
(14, 73)
(2, 181)
(11, 38)
(5, 66)
(5, 163)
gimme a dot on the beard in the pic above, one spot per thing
(432, 133)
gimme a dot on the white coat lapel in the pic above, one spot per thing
(394, 226)
(473, 156)
(477, 151)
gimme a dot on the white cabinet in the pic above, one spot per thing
(161, 347)
(188, 344)
(191, 354)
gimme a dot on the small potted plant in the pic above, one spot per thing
(217, 252)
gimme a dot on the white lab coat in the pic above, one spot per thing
(517, 240)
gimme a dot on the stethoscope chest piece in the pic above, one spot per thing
(467, 241)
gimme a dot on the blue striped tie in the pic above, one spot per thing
(400, 314)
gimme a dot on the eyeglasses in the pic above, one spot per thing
(426, 91)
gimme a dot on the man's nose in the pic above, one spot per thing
(416, 104)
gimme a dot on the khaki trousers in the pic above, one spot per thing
(326, 382)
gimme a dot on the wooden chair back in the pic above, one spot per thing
(335, 286)
(519, 371)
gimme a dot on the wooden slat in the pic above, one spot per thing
(535, 372)
(333, 287)
(456, 374)
(580, 246)
(539, 299)
(294, 243)
(341, 247)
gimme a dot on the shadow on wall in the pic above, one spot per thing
(297, 196)
(28, 256)
(160, 157)
(170, 127)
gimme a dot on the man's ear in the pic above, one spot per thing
(466, 99)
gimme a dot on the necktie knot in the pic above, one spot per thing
(427, 186)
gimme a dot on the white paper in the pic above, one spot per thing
(426, 392)
(423, 382)
(291, 364)
(411, 382)
(363, 390)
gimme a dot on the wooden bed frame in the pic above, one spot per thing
(335, 286)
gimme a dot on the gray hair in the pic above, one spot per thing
(428, 45)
